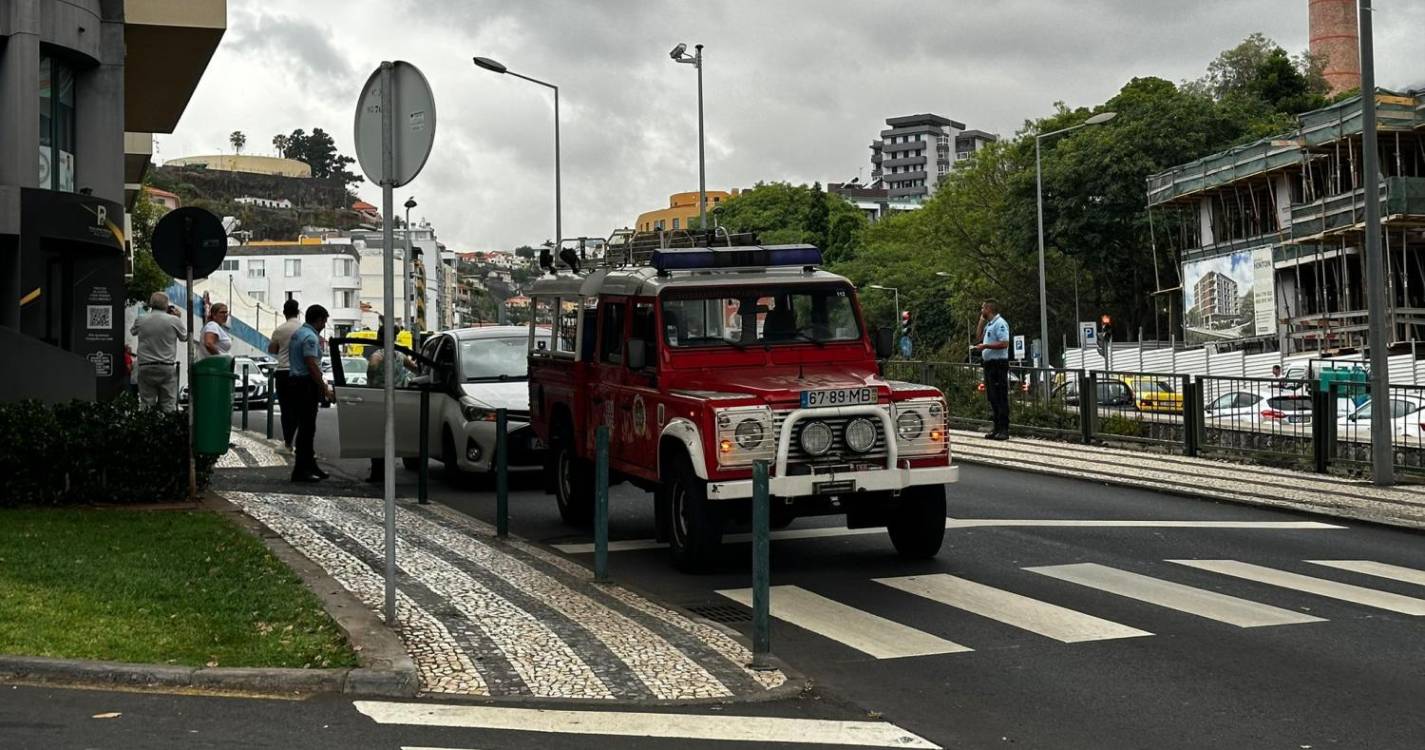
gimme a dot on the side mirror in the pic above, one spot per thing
(885, 341)
(637, 354)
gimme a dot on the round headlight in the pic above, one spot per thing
(816, 438)
(860, 435)
(749, 434)
(935, 410)
(909, 424)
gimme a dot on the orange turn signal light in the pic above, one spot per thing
(725, 446)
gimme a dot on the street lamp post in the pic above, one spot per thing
(696, 60)
(497, 67)
(408, 266)
(1097, 119)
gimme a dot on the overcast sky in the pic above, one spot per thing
(794, 89)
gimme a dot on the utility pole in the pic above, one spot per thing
(1382, 452)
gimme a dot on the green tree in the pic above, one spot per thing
(318, 150)
(780, 213)
(147, 277)
(524, 251)
(238, 141)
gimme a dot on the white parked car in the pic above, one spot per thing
(258, 387)
(471, 372)
(1407, 417)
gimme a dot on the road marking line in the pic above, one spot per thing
(631, 545)
(1321, 587)
(863, 631)
(1176, 596)
(1049, 620)
(760, 729)
(1379, 569)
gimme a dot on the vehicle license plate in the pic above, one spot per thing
(838, 397)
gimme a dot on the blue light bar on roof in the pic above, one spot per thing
(695, 258)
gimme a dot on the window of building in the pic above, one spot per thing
(258, 296)
(659, 225)
(292, 267)
(343, 267)
(57, 117)
(256, 269)
(229, 264)
(343, 298)
(675, 222)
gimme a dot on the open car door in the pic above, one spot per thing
(361, 410)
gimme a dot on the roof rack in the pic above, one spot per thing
(627, 247)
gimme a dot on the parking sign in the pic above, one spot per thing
(1088, 334)
(1019, 348)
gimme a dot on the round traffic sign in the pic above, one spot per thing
(189, 236)
(412, 122)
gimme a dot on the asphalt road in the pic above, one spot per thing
(1043, 624)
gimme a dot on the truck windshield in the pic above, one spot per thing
(494, 359)
(759, 317)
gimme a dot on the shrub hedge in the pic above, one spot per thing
(85, 452)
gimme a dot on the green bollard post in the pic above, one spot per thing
(761, 568)
(502, 475)
(244, 397)
(423, 475)
(601, 504)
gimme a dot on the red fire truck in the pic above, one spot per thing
(703, 360)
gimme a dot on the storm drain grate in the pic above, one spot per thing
(726, 614)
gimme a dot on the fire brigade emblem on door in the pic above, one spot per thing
(640, 417)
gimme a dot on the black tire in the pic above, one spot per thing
(782, 516)
(917, 524)
(451, 466)
(573, 479)
(412, 463)
(695, 524)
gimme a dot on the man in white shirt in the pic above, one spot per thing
(994, 353)
(158, 332)
(281, 344)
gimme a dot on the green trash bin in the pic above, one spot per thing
(212, 405)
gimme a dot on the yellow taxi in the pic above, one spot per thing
(1155, 394)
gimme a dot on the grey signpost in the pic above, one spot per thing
(1378, 338)
(395, 127)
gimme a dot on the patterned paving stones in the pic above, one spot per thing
(489, 617)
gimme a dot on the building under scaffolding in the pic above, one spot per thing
(1283, 220)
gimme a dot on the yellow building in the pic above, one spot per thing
(682, 210)
(246, 163)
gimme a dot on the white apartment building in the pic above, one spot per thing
(311, 271)
(248, 200)
(438, 262)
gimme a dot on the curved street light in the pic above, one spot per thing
(495, 66)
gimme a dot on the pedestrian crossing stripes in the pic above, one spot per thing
(822, 532)
(719, 727)
(883, 638)
(1194, 601)
(1319, 586)
(1049, 620)
(863, 631)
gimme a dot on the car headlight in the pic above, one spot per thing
(474, 412)
(816, 438)
(749, 434)
(861, 435)
(909, 425)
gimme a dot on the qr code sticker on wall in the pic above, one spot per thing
(101, 317)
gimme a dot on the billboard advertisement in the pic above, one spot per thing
(1229, 296)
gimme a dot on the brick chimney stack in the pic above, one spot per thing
(1335, 40)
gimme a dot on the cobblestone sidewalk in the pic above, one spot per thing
(250, 453)
(1402, 505)
(482, 616)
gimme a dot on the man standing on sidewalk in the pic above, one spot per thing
(307, 389)
(158, 332)
(280, 344)
(994, 352)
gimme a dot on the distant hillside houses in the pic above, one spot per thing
(248, 200)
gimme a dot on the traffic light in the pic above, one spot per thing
(1105, 334)
(905, 323)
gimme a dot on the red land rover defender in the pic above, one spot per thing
(708, 359)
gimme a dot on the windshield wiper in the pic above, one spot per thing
(796, 335)
(502, 378)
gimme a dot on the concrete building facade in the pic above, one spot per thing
(264, 275)
(682, 211)
(1216, 294)
(914, 152)
(83, 86)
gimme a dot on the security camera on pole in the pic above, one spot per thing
(395, 126)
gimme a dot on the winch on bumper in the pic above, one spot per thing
(837, 480)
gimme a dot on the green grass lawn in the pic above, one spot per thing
(178, 587)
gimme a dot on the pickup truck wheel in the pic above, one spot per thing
(573, 481)
(917, 525)
(695, 524)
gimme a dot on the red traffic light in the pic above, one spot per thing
(905, 315)
(1106, 319)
